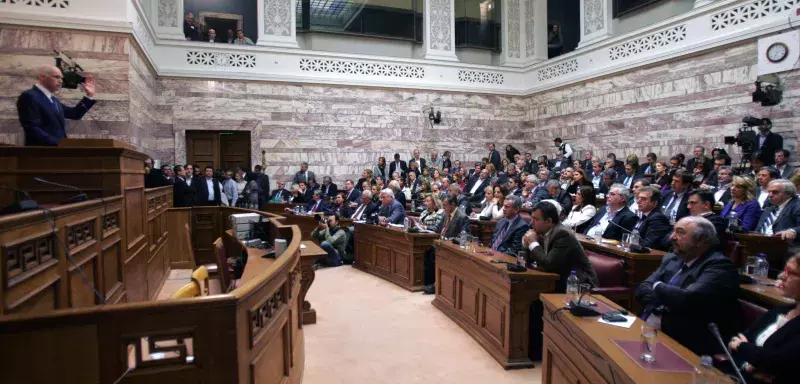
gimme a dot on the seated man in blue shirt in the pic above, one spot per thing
(391, 211)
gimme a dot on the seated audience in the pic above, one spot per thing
(609, 178)
(700, 203)
(432, 217)
(332, 239)
(559, 195)
(768, 350)
(477, 184)
(351, 194)
(616, 212)
(554, 247)
(782, 164)
(317, 203)
(534, 191)
(391, 211)
(583, 210)
(662, 178)
(694, 286)
(488, 194)
(453, 224)
(340, 208)
(508, 233)
(782, 218)
(631, 174)
(596, 175)
(366, 208)
(514, 187)
(763, 177)
(637, 185)
(366, 177)
(299, 193)
(329, 189)
(652, 225)
(673, 203)
(394, 185)
(494, 207)
(796, 179)
(579, 179)
(722, 191)
(743, 203)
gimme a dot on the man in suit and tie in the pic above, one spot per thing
(303, 174)
(782, 218)
(399, 196)
(674, 202)
(514, 187)
(700, 157)
(700, 203)
(782, 164)
(587, 163)
(42, 115)
(561, 196)
(534, 191)
(508, 233)
(649, 166)
(390, 211)
(179, 188)
(476, 186)
(764, 176)
(329, 189)
(630, 176)
(317, 204)
(366, 208)
(398, 166)
(653, 226)
(351, 195)
(280, 195)
(555, 249)
(694, 286)
(455, 222)
(530, 164)
(476, 170)
(769, 143)
(420, 161)
(494, 157)
(207, 191)
(615, 218)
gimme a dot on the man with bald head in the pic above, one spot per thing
(42, 115)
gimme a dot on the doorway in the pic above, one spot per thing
(218, 149)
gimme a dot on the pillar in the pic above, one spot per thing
(439, 30)
(277, 24)
(524, 32)
(596, 21)
(166, 17)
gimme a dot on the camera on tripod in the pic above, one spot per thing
(70, 71)
(747, 139)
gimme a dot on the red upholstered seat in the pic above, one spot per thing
(611, 274)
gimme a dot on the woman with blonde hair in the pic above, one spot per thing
(743, 203)
(433, 215)
(494, 206)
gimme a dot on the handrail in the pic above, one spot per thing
(10, 221)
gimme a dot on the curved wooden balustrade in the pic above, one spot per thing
(251, 335)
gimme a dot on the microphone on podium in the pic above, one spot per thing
(81, 196)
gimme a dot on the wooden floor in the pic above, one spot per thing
(371, 331)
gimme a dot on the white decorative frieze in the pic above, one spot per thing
(558, 70)
(278, 15)
(345, 67)
(480, 77)
(513, 49)
(594, 18)
(39, 3)
(221, 59)
(441, 18)
(530, 22)
(168, 13)
(648, 43)
(753, 10)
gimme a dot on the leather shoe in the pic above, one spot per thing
(429, 289)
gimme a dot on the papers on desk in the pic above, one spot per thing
(627, 324)
(359, 221)
(395, 225)
(302, 246)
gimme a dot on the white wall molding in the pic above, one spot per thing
(698, 30)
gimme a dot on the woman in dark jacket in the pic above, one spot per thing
(769, 350)
(510, 152)
(446, 162)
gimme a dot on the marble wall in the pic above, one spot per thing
(125, 83)
(666, 109)
(338, 130)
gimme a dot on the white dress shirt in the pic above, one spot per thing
(476, 186)
(601, 226)
(762, 197)
(210, 184)
(578, 217)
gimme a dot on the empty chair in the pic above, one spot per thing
(226, 281)
(611, 274)
(210, 268)
(200, 277)
(187, 291)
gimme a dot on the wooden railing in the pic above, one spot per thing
(250, 335)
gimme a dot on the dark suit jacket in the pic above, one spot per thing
(653, 229)
(706, 292)
(395, 213)
(494, 158)
(330, 191)
(298, 177)
(370, 209)
(322, 207)
(393, 167)
(780, 352)
(344, 210)
(787, 172)
(531, 165)
(421, 164)
(772, 144)
(708, 165)
(560, 252)
(454, 227)
(683, 209)
(789, 218)
(636, 176)
(41, 123)
(624, 218)
(354, 197)
(565, 200)
(538, 194)
(586, 165)
(201, 191)
(179, 195)
(285, 195)
(479, 192)
(511, 243)
(262, 179)
(400, 197)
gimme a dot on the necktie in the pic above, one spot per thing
(359, 212)
(674, 279)
(54, 104)
(315, 206)
(671, 206)
(628, 181)
(770, 219)
(639, 223)
(499, 239)
(446, 223)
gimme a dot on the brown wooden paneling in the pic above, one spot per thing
(202, 148)
(179, 254)
(206, 228)
(392, 254)
(234, 149)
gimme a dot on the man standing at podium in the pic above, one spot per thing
(42, 115)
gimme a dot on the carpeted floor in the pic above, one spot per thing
(371, 331)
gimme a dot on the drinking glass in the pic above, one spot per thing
(598, 238)
(750, 266)
(626, 241)
(649, 342)
(585, 290)
(521, 258)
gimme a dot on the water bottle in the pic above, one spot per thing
(635, 237)
(704, 373)
(762, 266)
(462, 239)
(413, 206)
(405, 223)
(573, 287)
(733, 220)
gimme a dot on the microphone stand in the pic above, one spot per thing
(22, 206)
(81, 196)
(715, 330)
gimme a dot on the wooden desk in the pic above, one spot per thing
(489, 302)
(308, 257)
(638, 266)
(764, 295)
(392, 254)
(776, 250)
(581, 350)
(278, 208)
(483, 229)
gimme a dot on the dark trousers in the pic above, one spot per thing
(333, 255)
(429, 266)
(536, 327)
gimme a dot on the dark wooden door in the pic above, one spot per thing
(218, 149)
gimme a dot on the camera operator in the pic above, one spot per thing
(768, 142)
(331, 238)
